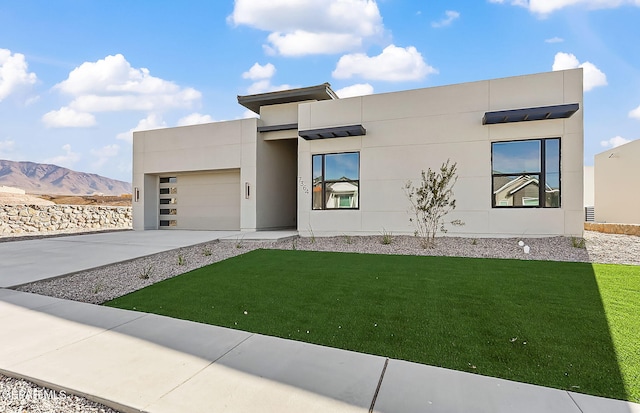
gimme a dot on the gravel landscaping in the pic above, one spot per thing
(21, 396)
(102, 284)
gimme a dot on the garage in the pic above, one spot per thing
(200, 200)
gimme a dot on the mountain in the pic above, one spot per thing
(37, 178)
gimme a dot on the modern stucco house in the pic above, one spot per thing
(617, 198)
(333, 166)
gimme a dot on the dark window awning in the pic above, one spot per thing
(276, 128)
(337, 132)
(527, 114)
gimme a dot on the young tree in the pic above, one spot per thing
(431, 201)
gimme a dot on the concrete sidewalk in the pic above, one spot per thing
(143, 362)
(26, 261)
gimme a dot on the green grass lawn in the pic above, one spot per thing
(572, 326)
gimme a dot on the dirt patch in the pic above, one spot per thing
(121, 200)
(7, 198)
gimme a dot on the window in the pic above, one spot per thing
(336, 181)
(169, 180)
(526, 172)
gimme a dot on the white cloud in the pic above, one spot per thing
(261, 75)
(152, 121)
(104, 154)
(258, 71)
(68, 118)
(545, 7)
(248, 114)
(300, 43)
(264, 86)
(111, 84)
(359, 89)
(194, 119)
(449, 17)
(635, 113)
(554, 40)
(7, 147)
(67, 160)
(393, 64)
(14, 73)
(614, 142)
(593, 77)
(303, 27)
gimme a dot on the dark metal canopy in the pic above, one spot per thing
(319, 92)
(337, 132)
(527, 114)
(276, 128)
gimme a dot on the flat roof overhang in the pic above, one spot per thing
(319, 92)
(336, 132)
(528, 114)
(277, 128)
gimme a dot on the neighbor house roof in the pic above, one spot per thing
(319, 92)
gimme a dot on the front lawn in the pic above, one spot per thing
(571, 326)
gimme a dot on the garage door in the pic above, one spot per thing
(204, 201)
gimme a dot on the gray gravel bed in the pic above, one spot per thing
(20, 396)
(102, 284)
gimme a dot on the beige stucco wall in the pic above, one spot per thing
(414, 130)
(589, 186)
(276, 184)
(617, 198)
(197, 149)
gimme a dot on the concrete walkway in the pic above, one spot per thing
(26, 261)
(143, 362)
(137, 362)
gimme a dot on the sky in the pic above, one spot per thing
(78, 76)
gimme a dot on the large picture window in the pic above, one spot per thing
(336, 180)
(526, 173)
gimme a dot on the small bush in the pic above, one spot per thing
(146, 272)
(578, 243)
(387, 237)
(313, 237)
(430, 201)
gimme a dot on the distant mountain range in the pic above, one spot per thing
(37, 178)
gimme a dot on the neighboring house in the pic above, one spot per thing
(523, 190)
(617, 194)
(589, 201)
(332, 166)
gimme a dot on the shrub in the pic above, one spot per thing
(431, 201)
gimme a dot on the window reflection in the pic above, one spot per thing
(336, 181)
(526, 172)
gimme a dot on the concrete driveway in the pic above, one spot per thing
(26, 261)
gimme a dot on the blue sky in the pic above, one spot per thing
(76, 77)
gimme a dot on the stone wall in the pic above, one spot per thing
(21, 219)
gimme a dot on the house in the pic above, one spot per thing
(331, 166)
(617, 199)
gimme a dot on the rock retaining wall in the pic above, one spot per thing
(625, 229)
(21, 219)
